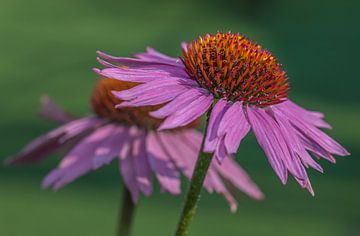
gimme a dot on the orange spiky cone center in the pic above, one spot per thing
(236, 69)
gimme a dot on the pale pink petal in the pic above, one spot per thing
(110, 147)
(53, 112)
(127, 165)
(141, 165)
(78, 161)
(162, 165)
(53, 141)
(231, 171)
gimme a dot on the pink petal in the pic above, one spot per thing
(162, 165)
(231, 171)
(156, 86)
(234, 126)
(217, 113)
(154, 97)
(176, 104)
(295, 144)
(188, 113)
(133, 75)
(78, 161)
(315, 134)
(52, 111)
(268, 141)
(311, 117)
(141, 164)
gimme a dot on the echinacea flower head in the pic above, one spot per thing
(129, 135)
(242, 86)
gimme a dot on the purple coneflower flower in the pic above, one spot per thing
(129, 135)
(244, 88)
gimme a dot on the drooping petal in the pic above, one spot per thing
(283, 142)
(110, 147)
(234, 127)
(53, 112)
(315, 134)
(295, 145)
(53, 141)
(267, 139)
(187, 143)
(188, 113)
(127, 166)
(220, 151)
(216, 115)
(78, 161)
(219, 187)
(141, 164)
(162, 165)
(313, 118)
(231, 171)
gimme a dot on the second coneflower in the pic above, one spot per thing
(241, 87)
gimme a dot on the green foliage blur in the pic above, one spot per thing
(49, 47)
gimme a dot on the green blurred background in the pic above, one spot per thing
(49, 47)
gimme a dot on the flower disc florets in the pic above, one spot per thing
(103, 104)
(232, 67)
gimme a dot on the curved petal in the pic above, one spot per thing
(216, 115)
(176, 104)
(188, 113)
(234, 127)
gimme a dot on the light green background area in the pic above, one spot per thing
(49, 47)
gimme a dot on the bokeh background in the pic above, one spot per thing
(49, 47)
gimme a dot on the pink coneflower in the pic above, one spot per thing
(129, 135)
(242, 86)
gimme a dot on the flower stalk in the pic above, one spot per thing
(196, 183)
(126, 214)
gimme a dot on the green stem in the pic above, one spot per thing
(196, 183)
(126, 214)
